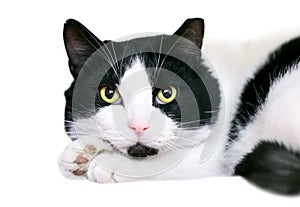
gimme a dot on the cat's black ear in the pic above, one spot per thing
(192, 30)
(80, 44)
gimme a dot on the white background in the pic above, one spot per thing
(34, 75)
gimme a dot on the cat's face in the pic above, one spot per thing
(143, 96)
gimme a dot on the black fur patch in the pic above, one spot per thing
(256, 90)
(194, 83)
(273, 167)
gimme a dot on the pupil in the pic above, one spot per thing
(109, 93)
(167, 93)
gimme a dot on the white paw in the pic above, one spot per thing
(97, 174)
(108, 174)
(75, 159)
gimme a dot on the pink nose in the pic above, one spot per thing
(139, 127)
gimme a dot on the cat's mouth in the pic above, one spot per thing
(140, 151)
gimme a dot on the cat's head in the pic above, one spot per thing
(143, 96)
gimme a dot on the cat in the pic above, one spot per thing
(155, 108)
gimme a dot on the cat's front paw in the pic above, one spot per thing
(102, 172)
(96, 173)
(75, 160)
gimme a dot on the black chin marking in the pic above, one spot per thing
(139, 150)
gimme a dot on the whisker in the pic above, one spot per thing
(212, 111)
(226, 161)
(68, 121)
(173, 45)
(100, 47)
(169, 146)
(156, 60)
(156, 72)
(123, 56)
(116, 59)
(87, 39)
(109, 59)
(189, 129)
(194, 121)
(184, 141)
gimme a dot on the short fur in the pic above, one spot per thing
(264, 139)
(258, 139)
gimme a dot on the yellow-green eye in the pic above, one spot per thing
(109, 95)
(165, 96)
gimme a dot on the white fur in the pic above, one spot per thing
(189, 166)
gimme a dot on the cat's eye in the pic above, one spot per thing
(167, 95)
(109, 95)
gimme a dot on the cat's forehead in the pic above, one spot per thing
(136, 67)
(135, 88)
(135, 79)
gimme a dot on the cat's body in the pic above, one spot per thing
(221, 153)
(264, 139)
(263, 142)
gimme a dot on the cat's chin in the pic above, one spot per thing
(140, 150)
(137, 150)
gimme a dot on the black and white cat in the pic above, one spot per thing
(159, 100)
